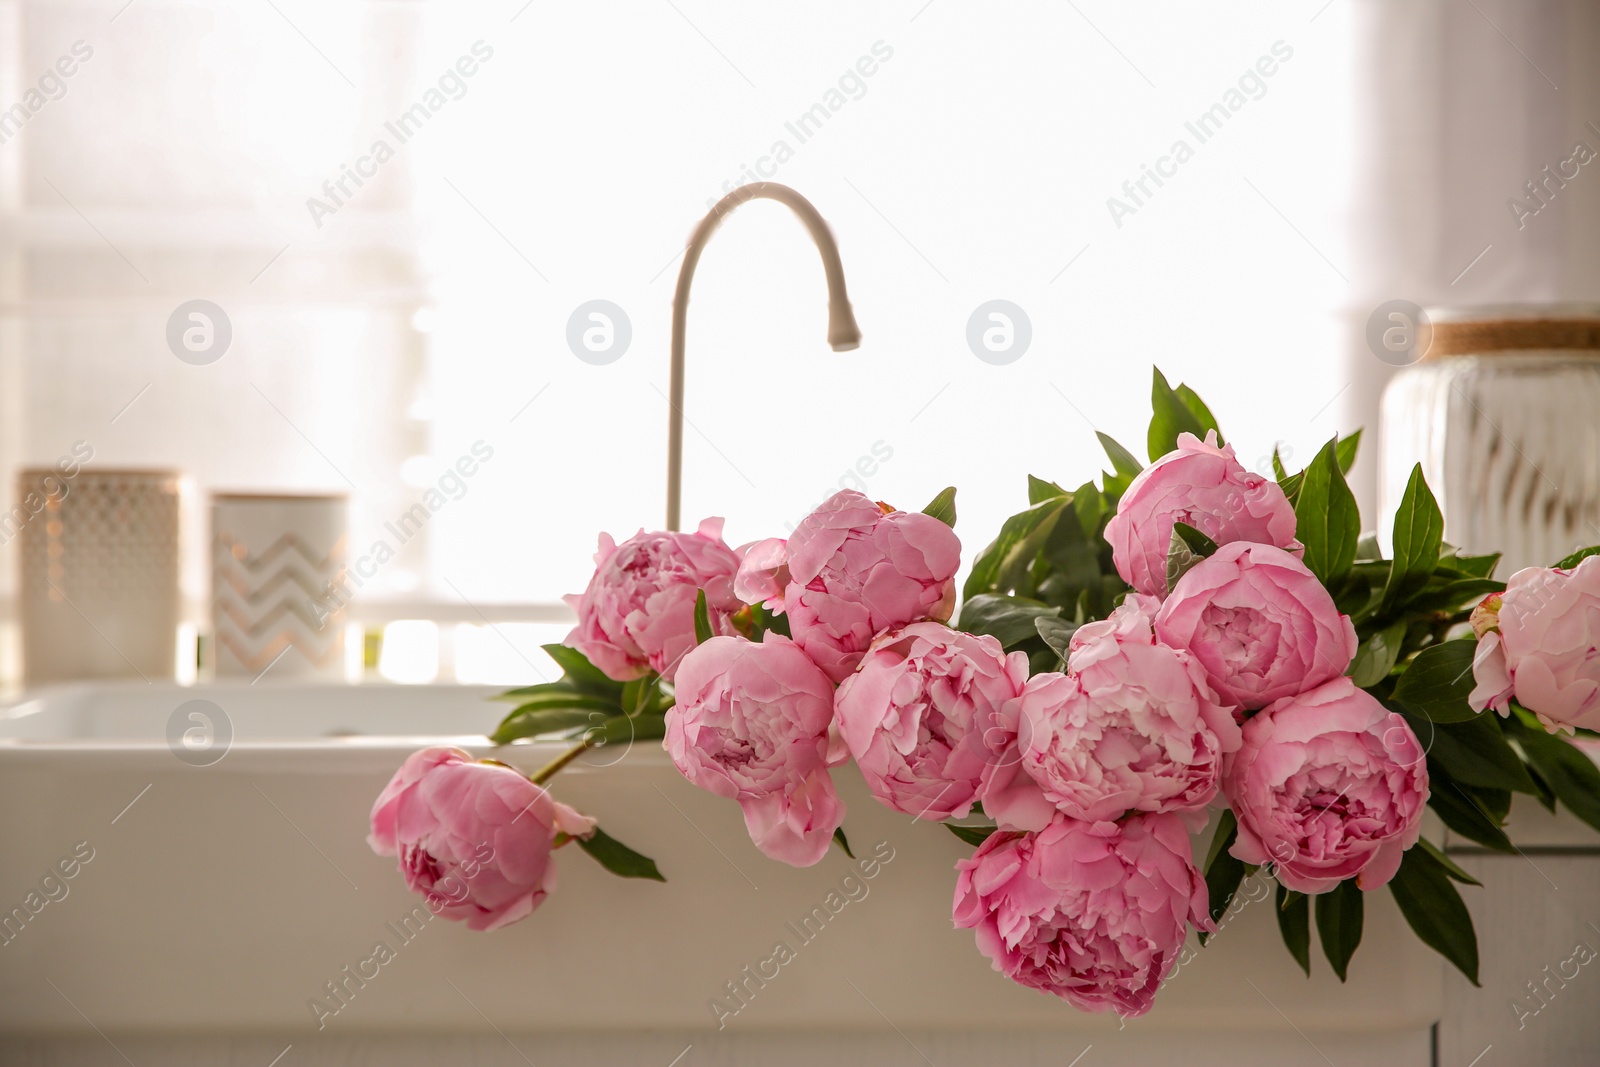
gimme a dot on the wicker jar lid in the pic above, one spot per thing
(1504, 329)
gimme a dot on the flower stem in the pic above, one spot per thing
(554, 767)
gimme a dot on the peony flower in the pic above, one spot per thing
(763, 573)
(1328, 785)
(1259, 622)
(637, 615)
(1201, 485)
(856, 570)
(1133, 727)
(916, 713)
(1540, 644)
(1094, 913)
(751, 724)
(473, 838)
(1136, 614)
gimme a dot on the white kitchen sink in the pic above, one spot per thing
(220, 899)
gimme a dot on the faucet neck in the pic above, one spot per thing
(843, 334)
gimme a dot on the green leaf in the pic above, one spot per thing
(1435, 685)
(624, 729)
(580, 672)
(1004, 563)
(1346, 449)
(1569, 562)
(1474, 754)
(1471, 566)
(1010, 620)
(1057, 633)
(763, 622)
(1569, 772)
(641, 694)
(972, 835)
(1182, 554)
(1198, 409)
(1449, 865)
(539, 722)
(842, 841)
(1327, 521)
(702, 619)
(1040, 490)
(1418, 535)
(1223, 872)
(1464, 812)
(618, 858)
(1339, 919)
(943, 506)
(1289, 483)
(1368, 549)
(1169, 417)
(1435, 910)
(1453, 596)
(1376, 655)
(1122, 461)
(1198, 543)
(1090, 506)
(1294, 923)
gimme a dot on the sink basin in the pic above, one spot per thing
(223, 898)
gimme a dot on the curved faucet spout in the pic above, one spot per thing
(843, 334)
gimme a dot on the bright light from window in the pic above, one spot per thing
(506, 653)
(410, 652)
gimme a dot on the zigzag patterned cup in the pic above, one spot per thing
(271, 555)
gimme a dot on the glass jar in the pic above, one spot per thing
(1503, 413)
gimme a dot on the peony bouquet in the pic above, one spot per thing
(1187, 643)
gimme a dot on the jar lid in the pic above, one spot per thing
(1497, 329)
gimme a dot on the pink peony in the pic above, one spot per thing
(856, 571)
(763, 573)
(751, 724)
(1201, 485)
(1133, 727)
(1328, 785)
(1135, 612)
(1260, 624)
(637, 615)
(1094, 913)
(916, 714)
(473, 838)
(1543, 649)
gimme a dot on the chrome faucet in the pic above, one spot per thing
(843, 334)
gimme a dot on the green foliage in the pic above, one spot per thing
(1436, 683)
(1010, 620)
(1569, 562)
(1123, 463)
(1340, 914)
(1172, 416)
(618, 858)
(702, 619)
(972, 835)
(1418, 537)
(585, 703)
(1568, 773)
(943, 506)
(1294, 923)
(1435, 910)
(1327, 521)
(1376, 656)
(1222, 871)
(1346, 451)
(1187, 547)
